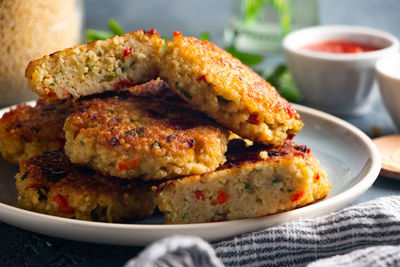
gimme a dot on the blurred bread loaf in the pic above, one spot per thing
(29, 30)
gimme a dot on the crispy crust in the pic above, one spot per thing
(50, 184)
(99, 66)
(213, 81)
(134, 137)
(255, 181)
(27, 131)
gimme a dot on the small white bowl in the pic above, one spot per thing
(337, 83)
(388, 74)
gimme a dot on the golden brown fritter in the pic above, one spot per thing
(214, 82)
(51, 184)
(134, 137)
(103, 65)
(27, 131)
(255, 181)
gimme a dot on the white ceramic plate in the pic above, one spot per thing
(347, 154)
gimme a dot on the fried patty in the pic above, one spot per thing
(216, 83)
(102, 65)
(51, 184)
(135, 137)
(27, 131)
(255, 181)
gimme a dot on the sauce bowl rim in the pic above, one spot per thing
(291, 44)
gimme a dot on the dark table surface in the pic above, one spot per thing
(19, 247)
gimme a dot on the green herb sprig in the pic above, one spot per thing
(115, 29)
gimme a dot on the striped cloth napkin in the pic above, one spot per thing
(367, 234)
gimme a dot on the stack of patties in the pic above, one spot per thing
(49, 183)
(271, 176)
(125, 141)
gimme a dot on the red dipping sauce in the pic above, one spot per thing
(340, 47)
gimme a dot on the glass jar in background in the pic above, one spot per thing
(30, 29)
(258, 26)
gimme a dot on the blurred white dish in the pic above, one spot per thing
(340, 84)
(347, 154)
(388, 74)
(389, 148)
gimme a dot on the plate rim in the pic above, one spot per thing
(338, 201)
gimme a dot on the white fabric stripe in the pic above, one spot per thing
(323, 251)
(313, 224)
(369, 233)
(303, 228)
(291, 255)
(340, 239)
(379, 217)
(372, 256)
